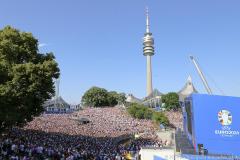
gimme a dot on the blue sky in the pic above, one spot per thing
(99, 43)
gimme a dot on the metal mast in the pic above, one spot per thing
(148, 51)
(209, 91)
(57, 83)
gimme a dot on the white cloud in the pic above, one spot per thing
(42, 45)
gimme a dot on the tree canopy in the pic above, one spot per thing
(95, 97)
(26, 77)
(160, 117)
(171, 101)
(140, 111)
(100, 97)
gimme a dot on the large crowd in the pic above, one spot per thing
(176, 118)
(108, 136)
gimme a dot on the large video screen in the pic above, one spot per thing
(216, 123)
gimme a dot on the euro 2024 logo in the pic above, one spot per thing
(225, 117)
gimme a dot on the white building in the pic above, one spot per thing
(131, 99)
(56, 105)
(154, 99)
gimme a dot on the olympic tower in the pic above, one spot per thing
(148, 51)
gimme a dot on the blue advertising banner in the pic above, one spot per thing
(214, 123)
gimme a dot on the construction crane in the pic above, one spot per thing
(209, 91)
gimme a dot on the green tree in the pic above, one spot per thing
(132, 109)
(95, 97)
(171, 101)
(26, 77)
(160, 117)
(99, 97)
(113, 98)
(139, 111)
(121, 98)
(139, 114)
(148, 113)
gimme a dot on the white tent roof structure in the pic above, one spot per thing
(154, 94)
(132, 99)
(57, 102)
(187, 89)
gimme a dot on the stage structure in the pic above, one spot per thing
(211, 123)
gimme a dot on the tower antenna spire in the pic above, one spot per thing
(147, 21)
